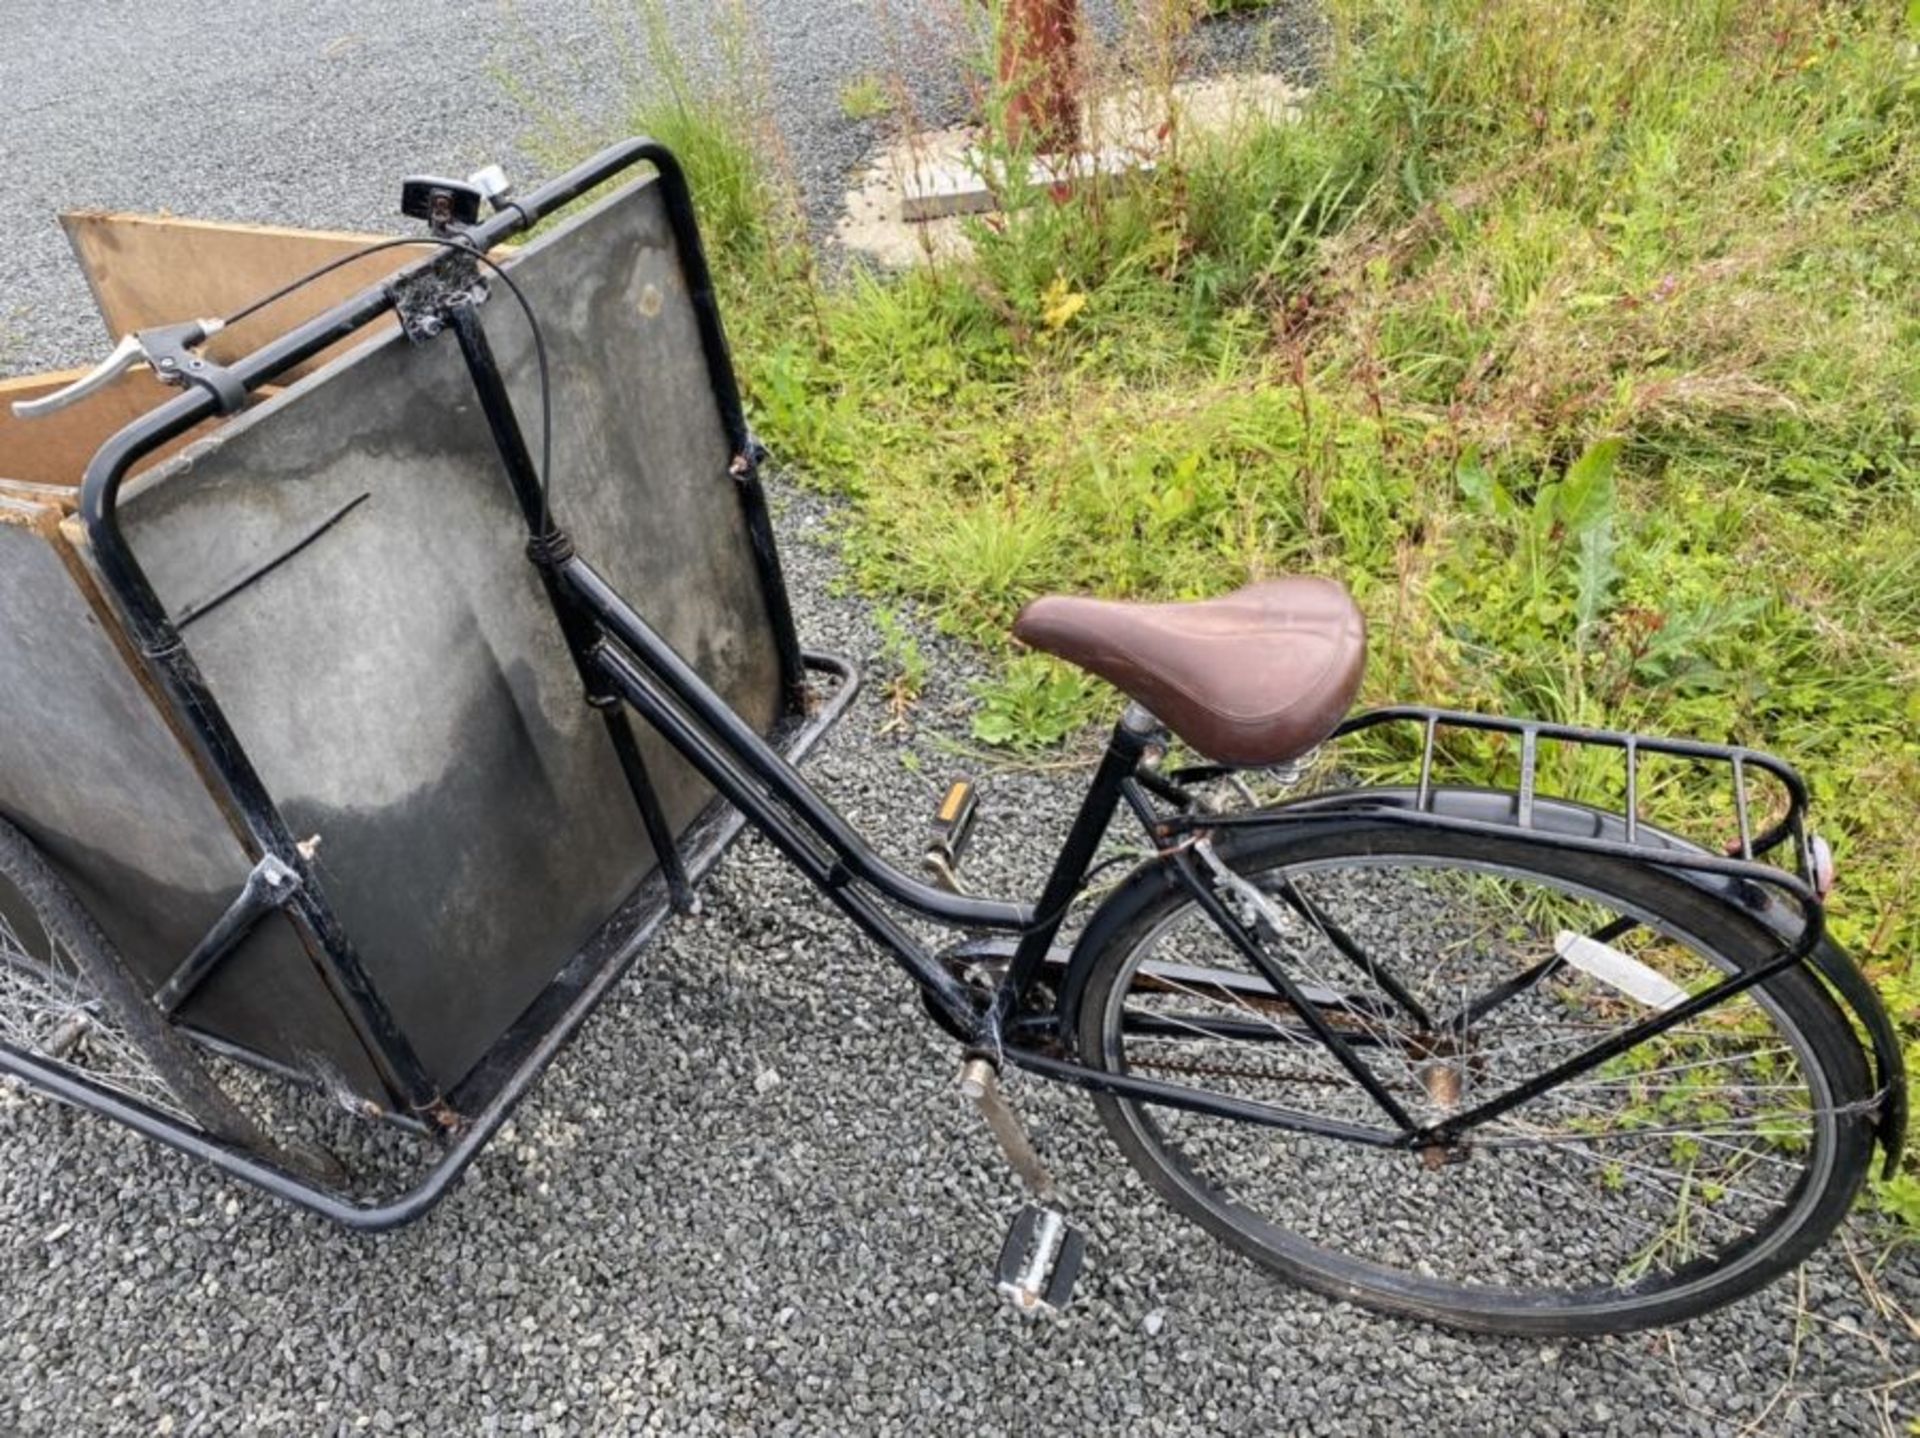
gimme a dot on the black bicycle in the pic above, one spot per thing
(1487, 1057)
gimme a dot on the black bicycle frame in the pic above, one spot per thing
(749, 773)
(625, 664)
(632, 659)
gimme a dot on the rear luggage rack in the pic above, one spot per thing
(1803, 877)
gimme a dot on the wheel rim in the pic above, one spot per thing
(1670, 1169)
(47, 1010)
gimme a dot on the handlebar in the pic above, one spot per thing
(169, 349)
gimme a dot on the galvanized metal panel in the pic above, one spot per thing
(400, 682)
(92, 774)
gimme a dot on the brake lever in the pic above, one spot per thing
(164, 348)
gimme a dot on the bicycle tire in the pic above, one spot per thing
(1670, 910)
(65, 988)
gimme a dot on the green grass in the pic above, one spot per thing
(865, 97)
(1585, 352)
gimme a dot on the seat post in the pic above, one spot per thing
(1136, 729)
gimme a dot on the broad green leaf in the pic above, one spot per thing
(1586, 494)
(1595, 572)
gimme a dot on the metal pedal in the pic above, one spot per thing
(1040, 1260)
(948, 834)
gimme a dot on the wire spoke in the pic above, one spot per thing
(47, 1010)
(1621, 1172)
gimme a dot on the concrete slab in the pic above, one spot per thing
(910, 203)
(974, 183)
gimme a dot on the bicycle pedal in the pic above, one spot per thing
(1040, 1260)
(947, 836)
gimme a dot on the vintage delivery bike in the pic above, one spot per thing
(1488, 1057)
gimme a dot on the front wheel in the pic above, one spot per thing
(67, 998)
(1688, 1171)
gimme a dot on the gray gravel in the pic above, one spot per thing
(747, 1200)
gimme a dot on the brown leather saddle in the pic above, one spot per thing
(1258, 676)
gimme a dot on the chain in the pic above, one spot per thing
(1220, 1070)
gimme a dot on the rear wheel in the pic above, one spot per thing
(1678, 1176)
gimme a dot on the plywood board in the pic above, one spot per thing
(148, 270)
(53, 450)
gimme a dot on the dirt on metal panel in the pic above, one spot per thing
(384, 650)
(103, 787)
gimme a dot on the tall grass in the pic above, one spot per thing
(1580, 342)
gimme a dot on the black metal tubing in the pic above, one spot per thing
(658, 683)
(577, 627)
(1729, 880)
(743, 745)
(1472, 1012)
(1125, 746)
(753, 500)
(750, 772)
(1255, 954)
(217, 751)
(1699, 860)
(720, 768)
(745, 465)
(1214, 1105)
(268, 887)
(510, 1075)
(1344, 944)
(1743, 862)
(1593, 1056)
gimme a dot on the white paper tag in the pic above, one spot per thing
(1618, 971)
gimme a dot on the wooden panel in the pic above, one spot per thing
(150, 270)
(54, 449)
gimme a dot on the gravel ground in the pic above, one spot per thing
(696, 1225)
(748, 1201)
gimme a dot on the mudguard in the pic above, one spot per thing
(1758, 901)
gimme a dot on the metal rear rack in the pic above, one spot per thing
(1741, 873)
(1741, 858)
(1802, 878)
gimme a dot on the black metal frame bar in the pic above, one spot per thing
(268, 887)
(1255, 953)
(229, 773)
(489, 1097)
(528, 486)
(624, 663)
